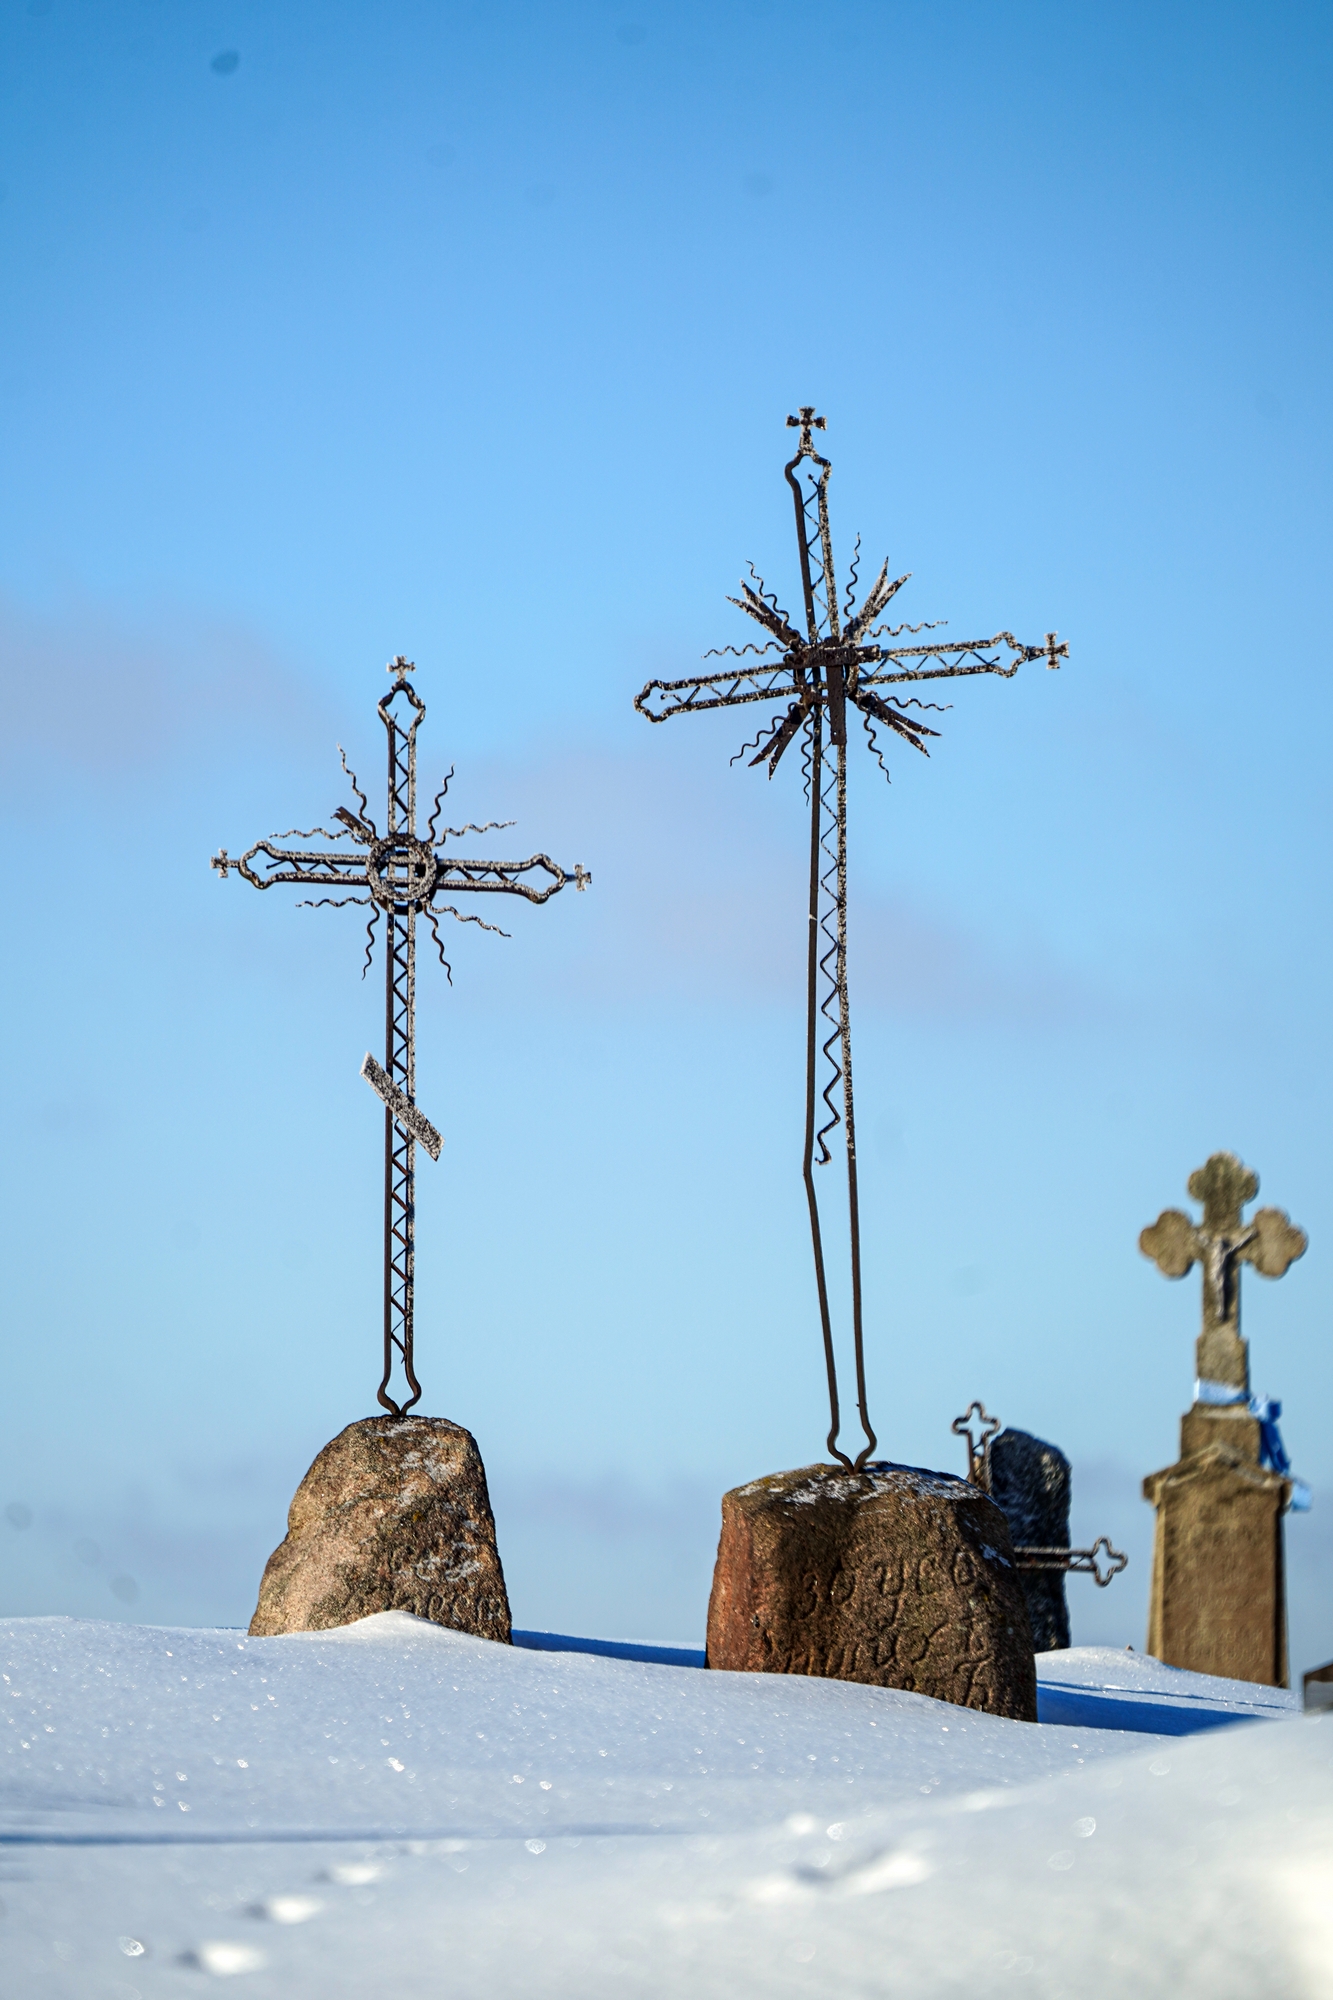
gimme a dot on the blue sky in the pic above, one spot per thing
(470, 332)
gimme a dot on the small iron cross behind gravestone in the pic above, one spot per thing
(1029, 1480)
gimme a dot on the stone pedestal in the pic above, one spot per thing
(1029, 1483)
(392, 1516)
(896, 1576)
(1218, 1603)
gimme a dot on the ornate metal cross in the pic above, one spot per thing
(1221, 1243)
(839, 661)
(398, 876)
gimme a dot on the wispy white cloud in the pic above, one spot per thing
(699, 874)
(698, 894)
(90, 691)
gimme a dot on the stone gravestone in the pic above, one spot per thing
(1218, 1600)
(1029, 1483)
(893, 1576)
(393, 1515)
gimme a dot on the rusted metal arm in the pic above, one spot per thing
(961, 657)
(728, 690)
(330, 869)
(1077, 1562)
(501, 876)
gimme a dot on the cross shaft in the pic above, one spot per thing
(399, 876)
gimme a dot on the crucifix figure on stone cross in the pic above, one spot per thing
(399, 876)
(1220, 1244)
(837, 663)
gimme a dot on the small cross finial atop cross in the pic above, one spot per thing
(401, 666)
(805, 423)
(1221, 1243)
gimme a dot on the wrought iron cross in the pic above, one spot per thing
(398, 876)
(1221, 1243)
(838, 662)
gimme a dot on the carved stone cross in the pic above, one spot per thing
(1221, 1243)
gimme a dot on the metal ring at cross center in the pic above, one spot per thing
(413, 881)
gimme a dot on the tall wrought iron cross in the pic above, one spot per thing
(398, 876)
(837, 663)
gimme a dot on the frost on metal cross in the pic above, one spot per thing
(823, 667)
(399, 876)
(1221, 1243)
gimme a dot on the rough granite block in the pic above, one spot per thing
(392, 1516)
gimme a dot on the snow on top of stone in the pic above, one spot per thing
(879, 1476)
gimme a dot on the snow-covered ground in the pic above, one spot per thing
(393, 1809)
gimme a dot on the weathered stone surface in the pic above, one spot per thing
(897, 1576)
(1229, 1424)
(392, 1516)
(1218, 1599)
(1029, 1483)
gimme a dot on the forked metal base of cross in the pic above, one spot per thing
(399, 876)
(839, 662)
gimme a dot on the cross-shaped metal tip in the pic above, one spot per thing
(805, 423)
(1115, 1559)
(978, 1450)
(1054, 654)
(222, 862)
(401, 666)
